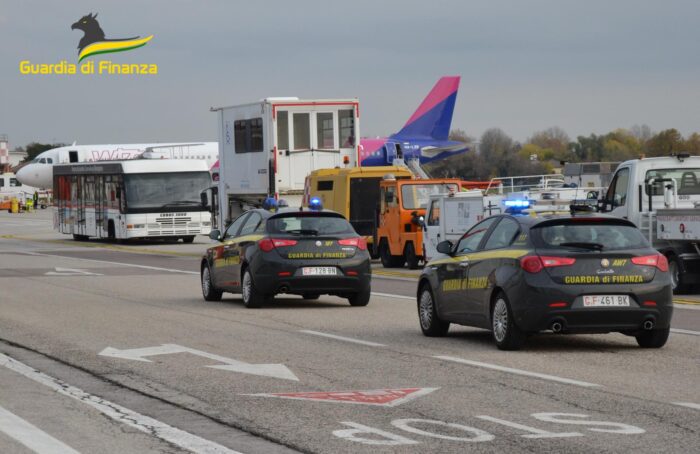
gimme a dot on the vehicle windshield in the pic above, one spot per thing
(687, 180)
(309, 225)
(594, 236)
(174, 191)
(414, 196)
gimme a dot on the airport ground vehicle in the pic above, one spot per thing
(307, 253)
(661, 196)
(354, 193)
(267, 148)
(517, 275)
(448, 216)
(11, 187)
(137, 198)
(401, 217)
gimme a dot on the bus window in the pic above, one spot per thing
(346, 128)
(324, 131)
(302, 133)
(282, 130)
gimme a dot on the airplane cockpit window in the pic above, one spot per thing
(49, 160)
(42, 161)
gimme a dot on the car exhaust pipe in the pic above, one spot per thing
(648, 324)
(557, 327)
(283, 289)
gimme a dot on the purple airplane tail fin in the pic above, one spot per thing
(433, 117)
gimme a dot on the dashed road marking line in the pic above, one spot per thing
(118, 413)
(526, 373)
(687, 404)
(391, 295)
(31, 436)
(105, 246)
(342, 338)
(133, 265)
(685, 301)
(685, 331)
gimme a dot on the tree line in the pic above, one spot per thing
(497, 154)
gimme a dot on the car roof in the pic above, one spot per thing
(537, 219)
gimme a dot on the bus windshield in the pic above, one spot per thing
(416, 196)
(175, 191)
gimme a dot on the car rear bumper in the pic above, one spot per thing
(281, 276)
(533, 311)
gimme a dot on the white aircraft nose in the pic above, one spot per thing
(36, 175)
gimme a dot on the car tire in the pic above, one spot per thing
(310, 296)
(388, 260)
(430, 322)
(252, 296)
(209, 291)
(505, 332)
(412, 260)
(361, 298)
(674, 270)
(655, 338)
(188, 239)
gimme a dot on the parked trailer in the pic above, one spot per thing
(137, 198)
(267, 148)
(662, 197)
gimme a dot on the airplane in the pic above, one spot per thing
(39, 172)
(424, 137)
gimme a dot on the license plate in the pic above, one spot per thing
(606, 300)
(319, 271)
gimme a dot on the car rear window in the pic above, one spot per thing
(575, 234)
(309, 225)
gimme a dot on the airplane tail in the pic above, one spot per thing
(433, 117)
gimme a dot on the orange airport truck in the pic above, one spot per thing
(401, 217)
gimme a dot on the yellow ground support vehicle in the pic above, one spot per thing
(353, 192)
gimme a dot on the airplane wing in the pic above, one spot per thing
(431, 151)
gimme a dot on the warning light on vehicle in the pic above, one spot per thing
(315, 204)
(517, 203)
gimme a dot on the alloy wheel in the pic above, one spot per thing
(500, 320)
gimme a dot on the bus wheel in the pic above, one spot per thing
(111, 233)
(80, 237)
(188, 239)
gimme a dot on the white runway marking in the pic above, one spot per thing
(121, 414)
(526, 373)
(342, 338)
(391, 295)
(145, 267)
(31, 436)
(685, 331)
(687, 404)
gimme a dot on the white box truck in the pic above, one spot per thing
(661, 196)
(267, 148)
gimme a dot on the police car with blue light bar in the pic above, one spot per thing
(521, 274)
(304, 252)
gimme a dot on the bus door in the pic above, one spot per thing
(80, 204)
(99, 206)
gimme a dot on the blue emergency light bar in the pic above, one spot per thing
(517, 203)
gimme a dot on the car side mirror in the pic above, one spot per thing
(444, 247)
(215, 234)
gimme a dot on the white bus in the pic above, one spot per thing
(138, 198)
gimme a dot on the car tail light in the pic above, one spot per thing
(531, 264)
(359, 242)
(268, 244)
(535, 263)
(657, 260)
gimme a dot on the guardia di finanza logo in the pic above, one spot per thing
(95, 43)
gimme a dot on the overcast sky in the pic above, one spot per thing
(586, 66)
